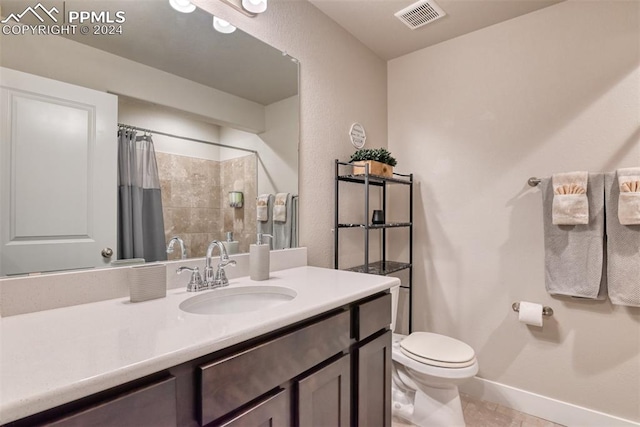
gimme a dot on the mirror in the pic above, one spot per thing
(222, 109)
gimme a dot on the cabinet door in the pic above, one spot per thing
(324, 396)
(374, 382)
(271, 412)
(58, 174)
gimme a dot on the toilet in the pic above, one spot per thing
(427, 369)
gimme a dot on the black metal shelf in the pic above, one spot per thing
(376, 180)
(382, 267)
(376, 226)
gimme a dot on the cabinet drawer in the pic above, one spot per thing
(152, 405)
(373, 316)
(229, 383)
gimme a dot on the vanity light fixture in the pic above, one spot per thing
(255, 6)
(223, 26)
(184, 6)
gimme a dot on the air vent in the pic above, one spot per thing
(420, 13)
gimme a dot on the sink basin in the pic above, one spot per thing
(238, 300)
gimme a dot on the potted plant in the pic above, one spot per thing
(379, 159)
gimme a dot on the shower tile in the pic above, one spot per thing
(180, 166)
(198, 170)
(227, 214)
(165, 191)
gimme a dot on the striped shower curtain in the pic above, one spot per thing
(140, 221)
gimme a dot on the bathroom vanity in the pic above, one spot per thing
(322, 358)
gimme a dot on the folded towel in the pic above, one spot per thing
(623, 249)
(574, 255)
(629, 199)
(266, 227)
(280, 207)
(262, 207)
(282, 231)
(570, 204)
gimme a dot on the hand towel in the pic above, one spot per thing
(282, 231)
(266, 227)
(280, 207)
(574, 254)
(570, 204)
(623, 250)
(629, 199)
(262, 207)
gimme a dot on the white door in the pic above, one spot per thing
(58, 175)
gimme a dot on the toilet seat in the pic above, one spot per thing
(437, 350)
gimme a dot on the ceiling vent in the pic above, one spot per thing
(420, 13)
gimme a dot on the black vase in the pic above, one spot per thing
(378, 217)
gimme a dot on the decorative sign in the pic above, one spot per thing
(357, 135)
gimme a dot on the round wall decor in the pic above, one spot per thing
(357, 135)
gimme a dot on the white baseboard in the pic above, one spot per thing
(541, 406)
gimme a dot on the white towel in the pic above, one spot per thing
(280, 207)
(623, 250)
(570, 203)
(262, 207)
(629, 199)
(574, 255)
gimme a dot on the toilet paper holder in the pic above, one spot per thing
(546, 311)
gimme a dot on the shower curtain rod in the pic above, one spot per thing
(186, 138)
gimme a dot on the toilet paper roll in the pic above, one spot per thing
(530, 313)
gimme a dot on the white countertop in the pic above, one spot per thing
(52, 357)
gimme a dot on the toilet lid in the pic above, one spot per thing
(438, 350)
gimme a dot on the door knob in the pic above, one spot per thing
(107, 252)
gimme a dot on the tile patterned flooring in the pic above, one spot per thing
(480, 413)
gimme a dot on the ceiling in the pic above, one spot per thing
(374, 24)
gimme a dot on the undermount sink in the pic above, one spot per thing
(238, 300)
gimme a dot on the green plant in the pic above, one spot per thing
(378, 154)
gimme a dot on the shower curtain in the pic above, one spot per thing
(140, 221)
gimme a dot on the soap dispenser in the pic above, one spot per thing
(232, 246)
(259, 258)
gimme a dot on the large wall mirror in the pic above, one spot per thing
(221, 112)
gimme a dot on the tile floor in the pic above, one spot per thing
(480, 413)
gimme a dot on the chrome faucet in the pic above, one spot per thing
(183, 250)
(219, 278)
(195, 282)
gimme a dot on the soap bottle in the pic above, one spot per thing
(259, 258)
(232, 246)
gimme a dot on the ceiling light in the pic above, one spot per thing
(222, 26)
(183, 6)
(255, 6)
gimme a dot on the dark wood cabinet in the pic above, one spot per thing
(274, 411)
(330, 370)
(150, 405)
(324, 397)
(374, 382)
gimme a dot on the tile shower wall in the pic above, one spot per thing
(239, 174)
(195, 202)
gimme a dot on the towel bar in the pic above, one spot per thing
(546, 311)
(533, 181)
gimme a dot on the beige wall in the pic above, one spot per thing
(475, 117)
(341, 81)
